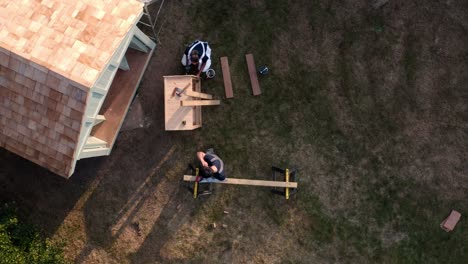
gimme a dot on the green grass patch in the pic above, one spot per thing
(22, 243)
(395, 217)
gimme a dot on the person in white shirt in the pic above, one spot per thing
(197, 58)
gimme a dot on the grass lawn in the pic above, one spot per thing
(370, 106)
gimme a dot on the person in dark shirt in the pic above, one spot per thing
(213, 166)
(197, 57)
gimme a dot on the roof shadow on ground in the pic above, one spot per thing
(42, 197)
(132, 197)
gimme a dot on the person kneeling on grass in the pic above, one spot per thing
(197, 58)
(213, 166)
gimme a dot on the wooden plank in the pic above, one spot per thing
(197, 118)
(253, 74)
(199, 102)
(451, 221)
(197, 113)
(249, 182)
(198, 95)
(227, 77)
(286, 191)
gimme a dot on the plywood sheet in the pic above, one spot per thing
(199, 102)
(198, 95)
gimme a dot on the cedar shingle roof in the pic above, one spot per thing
(51, 53)
(75, 38)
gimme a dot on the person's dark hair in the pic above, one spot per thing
(194, 56)
(207, 172)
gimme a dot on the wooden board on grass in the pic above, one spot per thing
(199, 102)
(253, 74)
(451, 221)
(226, 77)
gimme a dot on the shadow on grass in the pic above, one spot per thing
(43, 198)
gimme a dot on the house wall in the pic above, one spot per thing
(40, 113)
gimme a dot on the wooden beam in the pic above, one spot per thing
(253, 74)
(249, 182)
(286, 191)
(199, 102)
(226, 77)
(198, 95)
(451, 221)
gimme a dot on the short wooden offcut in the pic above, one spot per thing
(253, 74)
(199, 102)
(250, 182)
